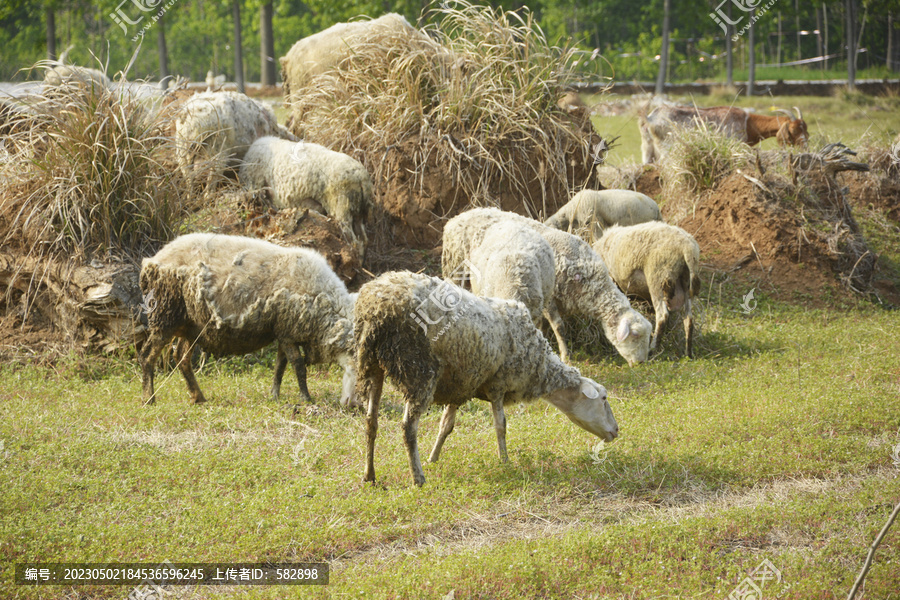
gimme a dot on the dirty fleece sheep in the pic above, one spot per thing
(234, 295)
(659, 263)
(514, 262)
(306, 175)
(589, 212)
(222, 122)
(484, 348)
(583, 284)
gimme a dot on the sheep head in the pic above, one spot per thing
(632, 338)
(586, 406)
(793, 131)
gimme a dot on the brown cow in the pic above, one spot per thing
(735, 122)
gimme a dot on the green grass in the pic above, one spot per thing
(774, 443)
(851, 118)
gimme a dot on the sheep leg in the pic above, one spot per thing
(448, 420)
(500, 427)
(280, 365)
(374, 384)
(184, 351)
(556, 324)
(415, 405)
(688, 329)
(148, 355)
(661, 308)
(296, 357)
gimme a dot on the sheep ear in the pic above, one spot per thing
(590, 391)
(624, 330)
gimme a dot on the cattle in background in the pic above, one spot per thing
(734, 122)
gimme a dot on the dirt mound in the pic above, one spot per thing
(877, 190)
(801, 243)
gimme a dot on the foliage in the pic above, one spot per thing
(199, 35)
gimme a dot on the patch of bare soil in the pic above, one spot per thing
(798, 242)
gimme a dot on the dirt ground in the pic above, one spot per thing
(796, 249)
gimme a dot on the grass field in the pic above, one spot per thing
(779, 442)
(851, 118)
(774, 444)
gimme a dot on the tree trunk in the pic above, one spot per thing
(266, 45)
(664, 53)
(51, 32)
(850, 39)
(163, 49)
(797, 28)
(889, 55)
(238, 54)
(729, 51)
(819, 37)
(751, 42)
(778, 51)
(825, 36)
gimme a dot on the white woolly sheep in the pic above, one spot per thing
(322, 51)
(484, 348)
(583, 284)
(589, 212)
(514, 262)
(234, 295)
(226, 122)
(59, 73)
(306, 175)
(659, 263)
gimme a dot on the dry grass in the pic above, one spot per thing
(476, 107)
(89, 176)
(700, 157)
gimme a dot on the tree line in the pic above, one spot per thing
(621, 39)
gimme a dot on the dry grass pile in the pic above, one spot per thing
(784, 218)
(88, 190)
(469, 119)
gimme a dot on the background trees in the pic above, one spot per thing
(199, 35)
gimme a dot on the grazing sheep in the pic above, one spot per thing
(484, 348)
(226, 122)
(58, 73)
(306, 175)
(583, 284)
(514, 262)
(659, 263)
(592, 211)
(234, 295)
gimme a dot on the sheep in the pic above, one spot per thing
(58, 73)
(592, 211)
(583, 285)
(323, 51)
(659, 263)
(306, 175)
(227, 122)
(234, 295)
(514, 262)
(485, 348)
